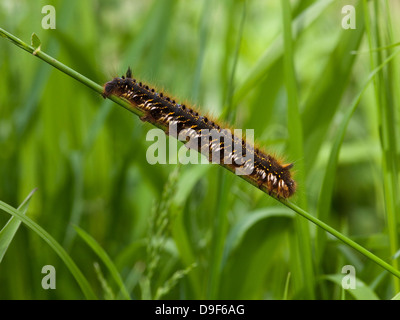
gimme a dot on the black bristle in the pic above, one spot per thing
(129, 73)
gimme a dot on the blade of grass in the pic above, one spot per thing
(79, 277)
(285, 293)
(63, 68)
(92, 243)
(324, 99)
(384, 85)
(76, 211)
(360, 292)
(275, 50)
(396, 297)
(220, 227)
(203, 40)
(325, 198)
(253, 246)
(239, 230)
(156, 25)
(297, 152)
(183, 189)
(228, 112)
(343, 238)
(10, 229)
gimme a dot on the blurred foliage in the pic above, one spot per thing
(195, 231)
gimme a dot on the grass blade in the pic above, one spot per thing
(275, 50)
(10, 229)
(360, 292)
(105, 258)
(319, 111)
(79, 277)
(325, 198)
(297, 152)
(388, 113)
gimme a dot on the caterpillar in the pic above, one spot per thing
(263, 169)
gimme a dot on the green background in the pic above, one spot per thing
(197, 231)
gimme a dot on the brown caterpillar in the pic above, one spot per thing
(264, 170)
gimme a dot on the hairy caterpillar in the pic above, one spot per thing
(264, 170)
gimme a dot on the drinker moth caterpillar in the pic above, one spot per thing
(263, 169)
